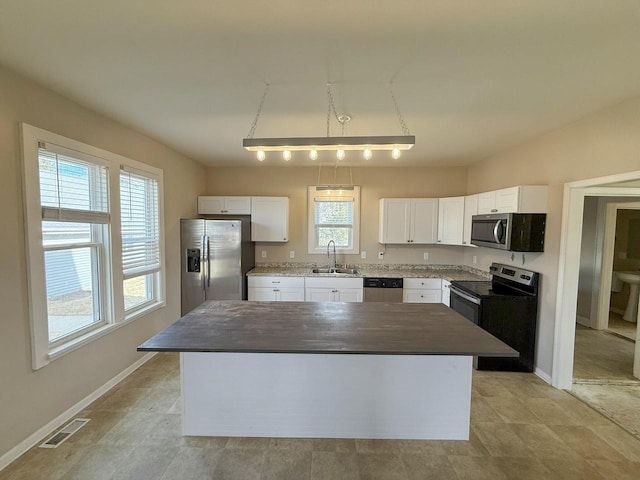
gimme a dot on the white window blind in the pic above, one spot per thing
(71, 189)
(139, 211)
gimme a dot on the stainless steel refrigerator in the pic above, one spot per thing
(216, 256)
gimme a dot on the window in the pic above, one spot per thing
(334, 214)
(140, 238)
(76, 238)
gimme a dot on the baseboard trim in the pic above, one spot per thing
(619, 311)
(584, 321)
(543, 375)
(42, 432)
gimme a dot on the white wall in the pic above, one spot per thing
(30, 399)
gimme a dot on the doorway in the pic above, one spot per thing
(605, 364)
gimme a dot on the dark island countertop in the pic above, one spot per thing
(310, 327)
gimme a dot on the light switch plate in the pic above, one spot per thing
(292, 254)
(264, 254)
(426, 255)
(363, 254)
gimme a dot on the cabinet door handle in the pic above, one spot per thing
(494, 210)
(275, 281)
(276, 290)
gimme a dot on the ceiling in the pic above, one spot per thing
(471, 78)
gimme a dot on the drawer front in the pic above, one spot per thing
(258, 281)
(422, 283)
(421, 296)
(324, 282)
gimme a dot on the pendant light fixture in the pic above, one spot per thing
(365, 144)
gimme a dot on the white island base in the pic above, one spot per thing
(326, 395)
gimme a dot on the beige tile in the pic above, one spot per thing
(424, 447)
(512, 410)
(491, 387)
(287, 464)
(380, 466)
(624, 443)
(543, 442)
(376, 446)
(476, 468)
(427, 467)
(472, 447)
(571, 469)
(239, 464)
(298, 444)
(192, 463)
(550, 412)
(586, 443)
(617, 470)
(248, 442)
(55, 462)
(481, 410)
(146, 463)
(99, 463)
(501, 440)
(334, 465)
(132, 429)
(522, 468)
(334, 444)
(206, 442)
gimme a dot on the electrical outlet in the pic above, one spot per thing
(363, 254)
(292, 254)
(380, 255)
(426, 255)
(264, 254)
(474, 259)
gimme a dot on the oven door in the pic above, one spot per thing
(466, 305)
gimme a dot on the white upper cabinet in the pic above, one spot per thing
(208, 205)
(269, 219)
(520, 199)
(470, 209)
(450, 220)
(408, 220)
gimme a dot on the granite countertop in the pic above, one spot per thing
(447, 272)
(326, 328)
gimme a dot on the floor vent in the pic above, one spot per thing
(68, 430)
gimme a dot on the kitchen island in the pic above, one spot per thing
(332, 370)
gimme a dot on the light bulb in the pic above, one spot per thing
(261, 156)
(367, 154)
(313, 154)
(286, 155)
(395, 153)
(340, 154)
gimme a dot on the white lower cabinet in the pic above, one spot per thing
(323, 289)
(422, 290)
(276, 289)
(446, 293)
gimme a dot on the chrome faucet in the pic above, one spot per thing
(334, 254)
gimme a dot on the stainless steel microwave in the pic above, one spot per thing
(515, 232)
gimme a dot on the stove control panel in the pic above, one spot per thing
(514, 274)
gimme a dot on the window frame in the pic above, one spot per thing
(111, 289)
(337, 193)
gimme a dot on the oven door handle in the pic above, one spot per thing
(466, 296)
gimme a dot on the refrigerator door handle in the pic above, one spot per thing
(204, 273)
(208, 262)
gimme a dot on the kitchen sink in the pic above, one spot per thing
(347, 271)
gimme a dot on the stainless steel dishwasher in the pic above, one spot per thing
(383, 290)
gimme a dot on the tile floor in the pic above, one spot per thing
(603, 365)
(621, 327)
(521, 429)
